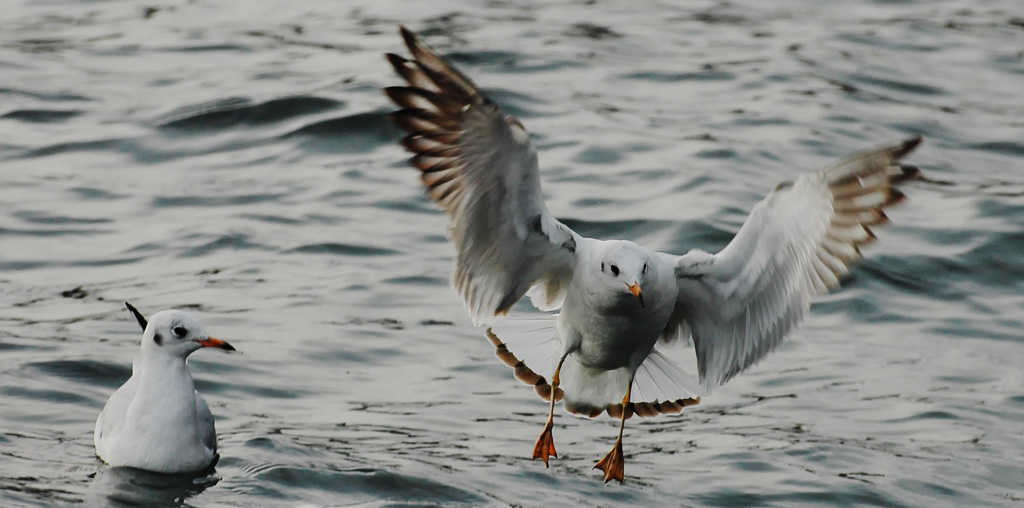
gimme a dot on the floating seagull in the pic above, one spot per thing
(621, 305)
(157, 421)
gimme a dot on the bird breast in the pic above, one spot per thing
(613, 331)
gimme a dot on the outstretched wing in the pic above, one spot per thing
(797, 243)
(478, 163)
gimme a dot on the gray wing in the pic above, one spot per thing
(797, 243)
(112, 417)
(478, 163)
(207, 430)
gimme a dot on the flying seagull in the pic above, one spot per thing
(620, 303)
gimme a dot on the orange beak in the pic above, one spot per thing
(635, 289)
(217, 343)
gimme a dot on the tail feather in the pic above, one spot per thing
(590, 392)
(659, 387)
(660, 379)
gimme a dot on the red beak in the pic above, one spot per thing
(217, 343)
(635, 289)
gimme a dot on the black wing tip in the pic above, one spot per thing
(138, 315)
(895, 197)
(907, 146)
(395, 92)
(408, 36)
(907, 172)
(413, 41)
(397, 61)
(411, 97)
(412, 120)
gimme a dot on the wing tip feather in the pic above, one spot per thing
(869, 237)
(643, 409)
(895, 197)
(521, 371)
(397, 61)
(393, 90)
(907, 172)
(907, 146)
(409, 37)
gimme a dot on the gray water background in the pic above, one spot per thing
(233, 159)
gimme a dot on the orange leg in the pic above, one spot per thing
(545, 446)
(613, 465)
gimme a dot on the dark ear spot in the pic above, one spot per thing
(602, 267)
(158, 339)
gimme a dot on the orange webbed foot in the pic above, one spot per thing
(545, 446)
(613, 465)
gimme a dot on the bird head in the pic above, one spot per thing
(624, 265)
(175, 333)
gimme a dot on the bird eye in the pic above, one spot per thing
(179, 331)
(615, 270)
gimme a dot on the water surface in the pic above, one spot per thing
(233, 159)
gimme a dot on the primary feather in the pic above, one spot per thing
(478, 163)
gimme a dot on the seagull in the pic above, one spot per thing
(157, 421)
(622, 306)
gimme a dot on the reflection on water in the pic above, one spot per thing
(234, 159)
(122, 486)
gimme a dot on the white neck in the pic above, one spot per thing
(165, 400)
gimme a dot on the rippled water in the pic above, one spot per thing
(233, 159)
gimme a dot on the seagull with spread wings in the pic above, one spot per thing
(621, 304)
